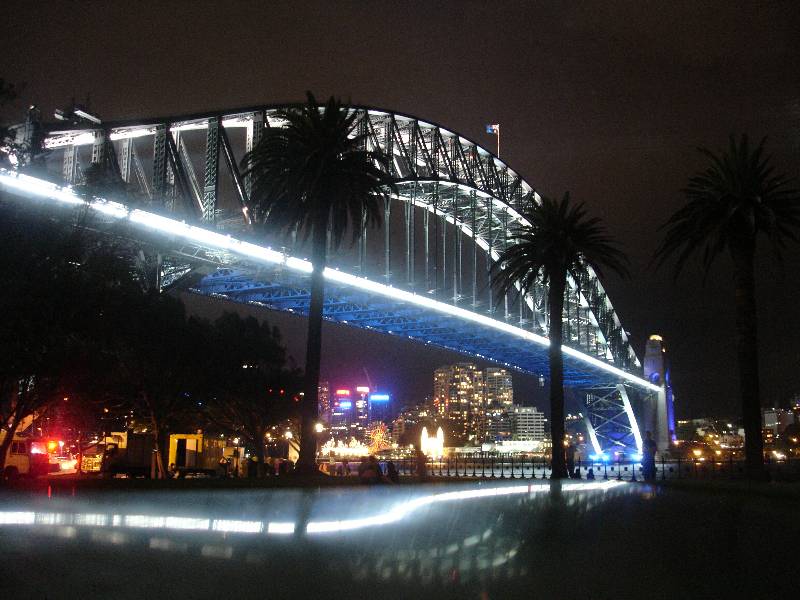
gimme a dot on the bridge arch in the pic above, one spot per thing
(465, 188)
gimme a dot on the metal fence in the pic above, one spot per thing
(513, 467)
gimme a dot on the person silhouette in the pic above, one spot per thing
(649, 449)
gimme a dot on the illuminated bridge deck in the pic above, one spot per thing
(247, 272)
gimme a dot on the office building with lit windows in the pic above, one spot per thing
(527, 424)
(499, 401)
(458, 397)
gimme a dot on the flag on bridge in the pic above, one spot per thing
(493, 129)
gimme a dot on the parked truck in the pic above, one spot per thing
(123, 454)
(199, 455)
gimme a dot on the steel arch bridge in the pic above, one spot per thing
(424, 276)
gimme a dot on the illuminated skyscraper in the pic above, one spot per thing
(324, 402)
(458, 396)
(527, 424)
(380, 407)
(342, 419)
(499, 388)
(499, 392)
(361, 411)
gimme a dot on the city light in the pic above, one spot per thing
(432, 446)
(342, 392)
(379, 397)
(353, 448)
(32, 186)
(362, 389)
(346, 404)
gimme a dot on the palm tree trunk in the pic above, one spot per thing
(556, 359)
(5, 445)
(747, 355)
(306, 463)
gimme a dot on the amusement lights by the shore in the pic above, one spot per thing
(31, 186)
(353, 448)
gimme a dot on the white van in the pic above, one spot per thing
(26, 458)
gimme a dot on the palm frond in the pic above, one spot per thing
(561, 239)
(315, 172)
(736, 198)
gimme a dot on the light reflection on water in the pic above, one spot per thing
(391, 511)
(421, 535)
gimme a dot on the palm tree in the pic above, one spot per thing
(559, 240)
(729, 203)
(314, 175)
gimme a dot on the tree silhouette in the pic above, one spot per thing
(560, 240)
(313, 175)
(736, 198)
(57, 277)
(249, 387)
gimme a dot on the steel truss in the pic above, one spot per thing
(610, 420)
(281, 290)
(469, 201)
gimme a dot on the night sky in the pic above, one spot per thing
(607, 100)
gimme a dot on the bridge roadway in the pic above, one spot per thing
(241, 269)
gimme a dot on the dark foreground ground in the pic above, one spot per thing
(583, 540)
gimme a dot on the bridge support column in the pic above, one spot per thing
(160, 162)
(473, 201)
(410, 238)
(125, 159)
(99, 148)
(211, 174)
(70, 165)
(255, 130)
(426, 226)
(387, 238)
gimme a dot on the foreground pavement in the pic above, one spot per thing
(576, 539)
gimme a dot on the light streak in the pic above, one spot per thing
(393, 515)
(26, 185)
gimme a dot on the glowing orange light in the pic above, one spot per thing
(51, 446)
(342, 392)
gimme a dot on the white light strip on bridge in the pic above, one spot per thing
(44, 189)
(626, 403)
